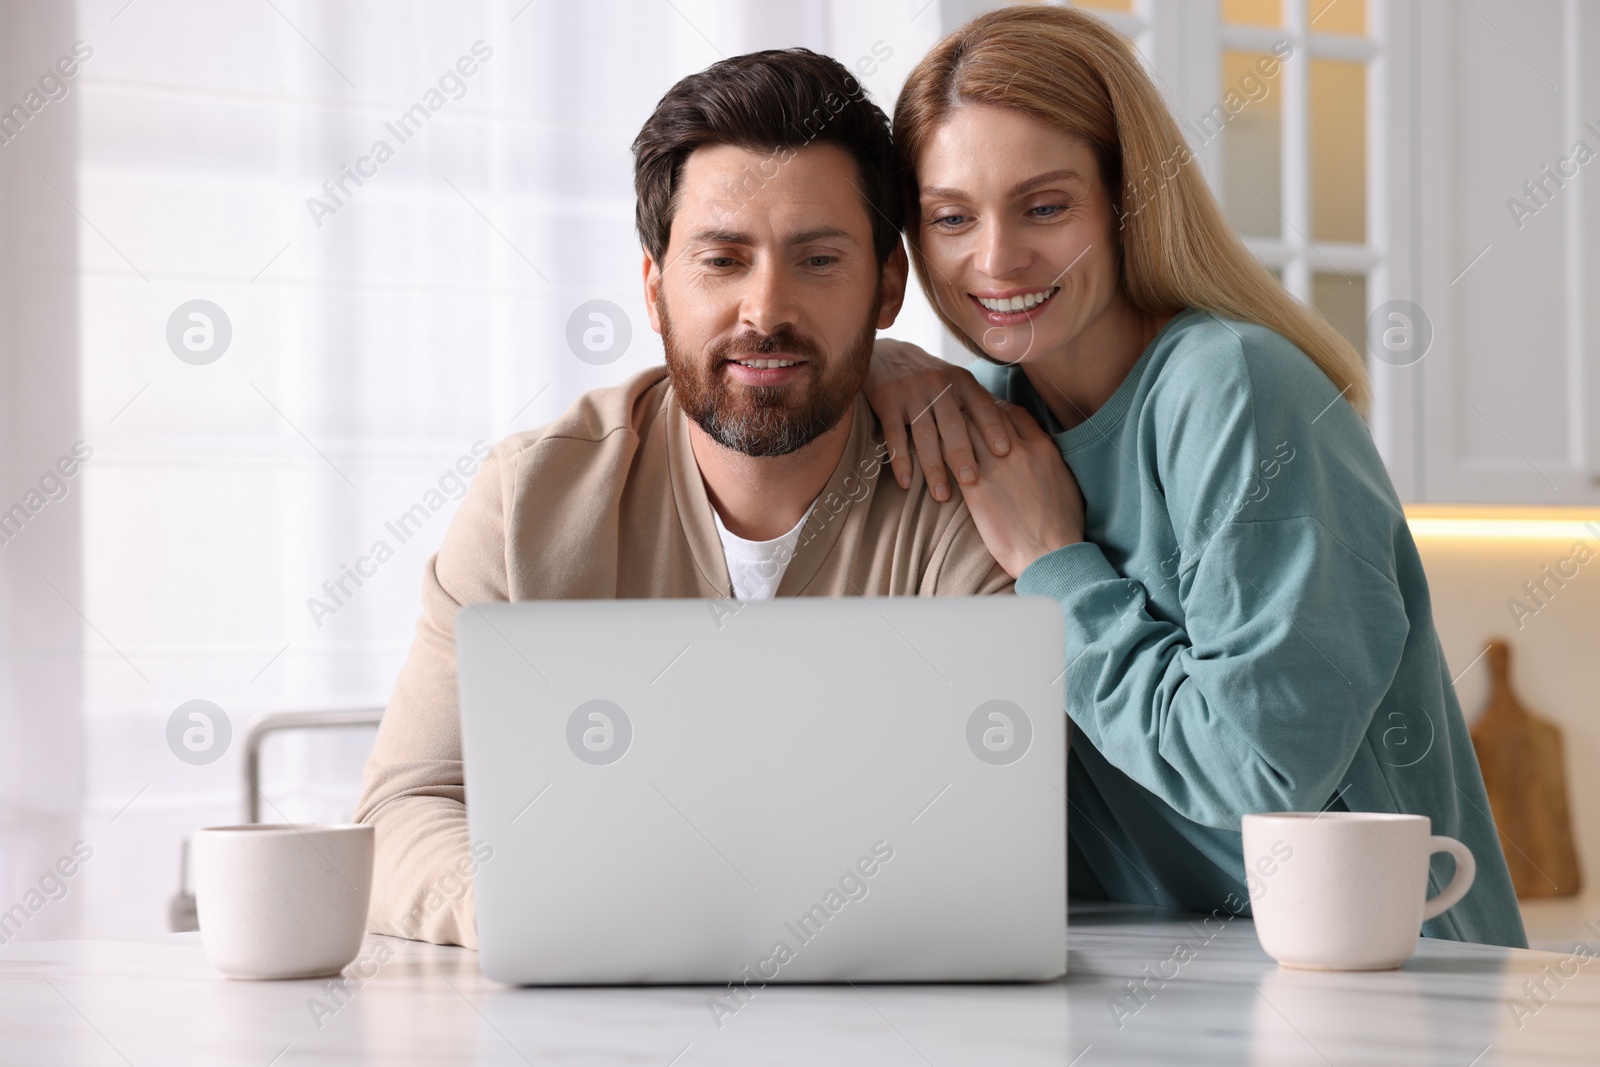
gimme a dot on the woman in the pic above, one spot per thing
(1248, 623)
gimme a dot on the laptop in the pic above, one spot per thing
(794, 790)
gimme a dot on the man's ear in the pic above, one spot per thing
(652, 289)
(894, 286)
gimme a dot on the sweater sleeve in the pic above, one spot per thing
(414, 793)
(1258, 701)
(1256, 693)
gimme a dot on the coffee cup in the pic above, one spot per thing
(1345, 890)
(282, 900)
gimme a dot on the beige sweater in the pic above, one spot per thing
(607, 502)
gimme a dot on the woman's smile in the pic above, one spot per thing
(1013, 307)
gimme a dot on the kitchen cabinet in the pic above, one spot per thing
(1503, 217)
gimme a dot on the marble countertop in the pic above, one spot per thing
(1218, 1000)
(1553, 922)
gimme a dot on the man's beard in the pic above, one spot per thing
(767, 420)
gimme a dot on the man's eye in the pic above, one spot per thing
(818, 261)
(719, 261)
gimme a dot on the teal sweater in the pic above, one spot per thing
(1248, 629)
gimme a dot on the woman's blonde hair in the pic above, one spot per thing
(1073, 72)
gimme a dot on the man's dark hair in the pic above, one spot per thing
(780, 101)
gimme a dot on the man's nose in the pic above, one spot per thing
(769, 301)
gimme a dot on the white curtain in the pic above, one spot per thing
(380, 331)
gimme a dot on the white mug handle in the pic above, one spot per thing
(1466, 871)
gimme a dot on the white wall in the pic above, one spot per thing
(1555, 667)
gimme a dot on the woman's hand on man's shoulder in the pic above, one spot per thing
(929, 401)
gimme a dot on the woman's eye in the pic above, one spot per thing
(1047, 211)
(950, 222)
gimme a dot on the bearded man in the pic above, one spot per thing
(749, 466)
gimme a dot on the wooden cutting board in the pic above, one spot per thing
(1524, 772)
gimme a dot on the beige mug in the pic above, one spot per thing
(1345, 890)
(282, 900)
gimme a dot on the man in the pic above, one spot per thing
(748, 466)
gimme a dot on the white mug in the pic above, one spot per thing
(282, 900)
(1345, 890)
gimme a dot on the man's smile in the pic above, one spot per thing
(764, 370)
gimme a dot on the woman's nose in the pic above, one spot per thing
(1000, 254)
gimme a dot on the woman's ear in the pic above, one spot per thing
(893, 280)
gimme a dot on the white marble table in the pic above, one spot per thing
(154, 1001)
